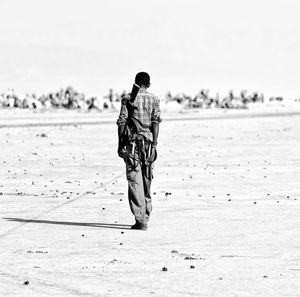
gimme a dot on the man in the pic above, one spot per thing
(138, 128)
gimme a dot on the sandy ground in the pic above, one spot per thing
(226, 207)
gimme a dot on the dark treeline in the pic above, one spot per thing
(69, 98)
(204, 100)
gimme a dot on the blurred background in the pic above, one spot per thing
(188, 45)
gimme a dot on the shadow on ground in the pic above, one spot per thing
(97, 225)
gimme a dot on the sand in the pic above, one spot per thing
(226, 207)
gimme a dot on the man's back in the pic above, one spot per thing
(146, 108)
(145, 111)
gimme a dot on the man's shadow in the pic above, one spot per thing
(97, 225)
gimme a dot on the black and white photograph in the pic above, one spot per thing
(149, 148)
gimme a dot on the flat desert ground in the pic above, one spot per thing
(225, 221)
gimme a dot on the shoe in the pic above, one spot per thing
(139, 226)
(135, 225)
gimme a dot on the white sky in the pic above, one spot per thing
(184, 45)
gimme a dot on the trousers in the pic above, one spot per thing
(139, 187)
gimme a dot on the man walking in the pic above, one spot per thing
(138, 128)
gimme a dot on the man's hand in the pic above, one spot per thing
(121, 151)
(151, 158)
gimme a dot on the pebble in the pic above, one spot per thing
(164, 269)
(189, 258)
(41, 135)
(26, 283)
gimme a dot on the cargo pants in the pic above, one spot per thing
(139, 184)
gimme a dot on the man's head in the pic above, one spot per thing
(142, 79)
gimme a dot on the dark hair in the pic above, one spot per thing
(142, 78)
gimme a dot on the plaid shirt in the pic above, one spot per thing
(145, 111)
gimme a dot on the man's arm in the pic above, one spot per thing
(121, 122)
(155, 120)
(155, 131)
(121, 129)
